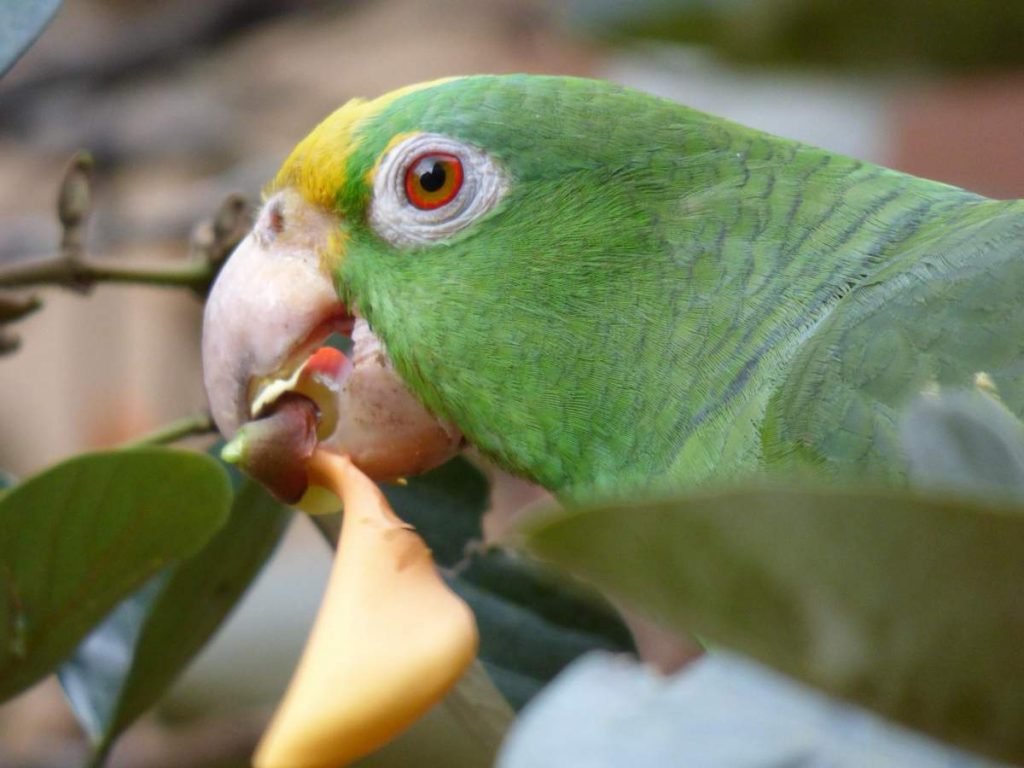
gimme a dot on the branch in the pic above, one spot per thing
(82, 274)
(12, 309)
(212, 242)
(8, 343)
(190, 426)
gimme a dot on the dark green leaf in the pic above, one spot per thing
(21, 22)
(965, 441)
(93, 676)
(130, 660)
(77, 538)
(445, 506)
(833, 34)
(909, 605)
(531, 623)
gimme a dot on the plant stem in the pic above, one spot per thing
(190, 426)
(12, 309)
(83, 273)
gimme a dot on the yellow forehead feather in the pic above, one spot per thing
(317, 168)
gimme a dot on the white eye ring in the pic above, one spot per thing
(395, 219)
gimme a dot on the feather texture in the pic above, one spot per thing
(662, 296)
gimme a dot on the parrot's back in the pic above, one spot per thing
(821, 296)
(946, 312)
(806, 299)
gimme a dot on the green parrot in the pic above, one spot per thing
(604, 292)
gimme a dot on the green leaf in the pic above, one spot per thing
(720, 710)
(965, 441)
(824, 34)
(76, 538)
(130, 660)
(21, 22)
(445, 506)
(908, 605)
(531, 623)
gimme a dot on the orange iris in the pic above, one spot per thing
(433, 180)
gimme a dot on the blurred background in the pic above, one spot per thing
(183, 102)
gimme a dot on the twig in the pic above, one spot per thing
(74, 203)
(190, 426)
(12, 309)
(8, 343)
(212, 242)
(81, 274)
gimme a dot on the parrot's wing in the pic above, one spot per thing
(946, 311)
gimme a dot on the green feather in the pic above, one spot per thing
(667, 297)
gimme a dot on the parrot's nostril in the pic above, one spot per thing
(275, 217)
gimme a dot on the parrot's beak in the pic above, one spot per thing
(275, 391)
(391, 637)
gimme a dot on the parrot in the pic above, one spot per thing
(603, 292)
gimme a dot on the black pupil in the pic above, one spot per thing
(433, 180)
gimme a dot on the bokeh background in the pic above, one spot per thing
(185, 101)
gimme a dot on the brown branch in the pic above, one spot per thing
(12, 309)
(211, 244)
(8, 343)
(190, 426)
(72, 271)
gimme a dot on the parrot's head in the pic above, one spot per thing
(486, 242)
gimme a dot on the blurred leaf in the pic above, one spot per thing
(21, 22)
(721, 710)
(906, 604)
(127, 663)
(78, 537)
(464, 729)
(531, 623)
(863, 35)
(966, 441)
(483, 714)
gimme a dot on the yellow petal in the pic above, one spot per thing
(390, 640)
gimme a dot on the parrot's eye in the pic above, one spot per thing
(427, 187)
(433, 180)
